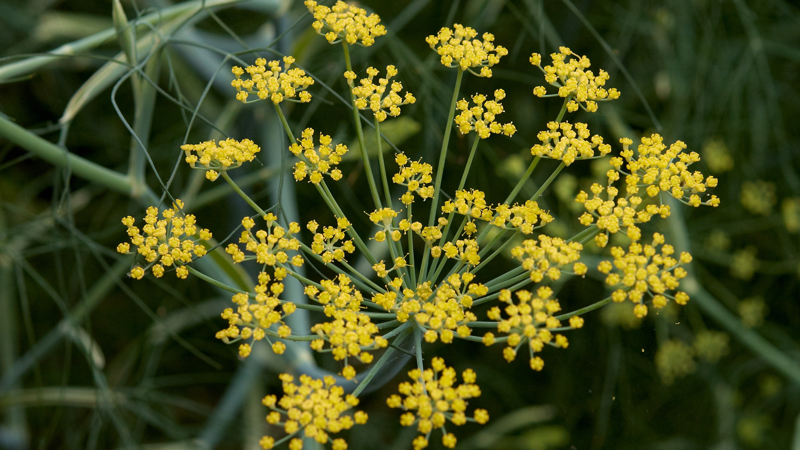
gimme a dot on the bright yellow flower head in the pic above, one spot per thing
(548, 257)
(325, 243)
(529, 320)
(567, 142)
(435, 399)
(169, 241)
(415, 175)
(345, 22)
(459, 48)
(228, 154)
(315, 408)
(570, 74)
(447, 313)
(317, 161)
(269, 81)
(379, 97)
(481, 116)
(271, 247)
(642, 273)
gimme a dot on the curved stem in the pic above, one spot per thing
(360, 132)
(243, 195)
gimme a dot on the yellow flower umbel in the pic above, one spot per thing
(345, 22)
(448, 311)
(481, 117)
(324, 243)
(166, 242)
(436, 399)
(252, 320)
(570, 74)
(379, 97)
(270, 246)
(351, 333)
(269, 81)
(641, 272)
(416, 176)
(215, 158)
(317, 161)
(660, 169)
(314, 408)
(548, 257)
(459, 48)
(529, 320)
(568, 143)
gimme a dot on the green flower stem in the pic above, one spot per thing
(214, 282)
(350, 230)
(361, 285)
(79, 166)
(523, 180)
(508, 278)
(383, 360)
(399, 329)
(285, 124)
(437, 267)
(243, 195)
(389, 324)
(411, 252)
(443, 154)
(418, 352)
(582, 235)
(548, 181)
(360, 132)
(384, 178)
(469, 162)
(712, 307)
(563, 110)
(496, 252)
(361, 276)
(585, 310)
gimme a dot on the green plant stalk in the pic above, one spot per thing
(437, 266)
(360, 132)
(443, 154)
(585, 310)
(286, 127)
(79, 166)
(350, 230)
(243, 195)
(411, 252)
(496, 252)
(711, 306)
(460, 187)
(523, 180)
(549, 180)
(366, 286)
(144, 105)
(383, 359)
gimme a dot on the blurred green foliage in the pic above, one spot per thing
(136, 363)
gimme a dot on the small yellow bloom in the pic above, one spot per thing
(345, 22)
(458, 47)
(270, 81)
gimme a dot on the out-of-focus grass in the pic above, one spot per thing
(113, 363)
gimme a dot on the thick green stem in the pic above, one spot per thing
(523, 180)
(469, 163)
(443, 154)
(585, 310)
(360, 132)
(243, 195)
(384, 358)
(286, 128)
(548, 181)
(62, 158)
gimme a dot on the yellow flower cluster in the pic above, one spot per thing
(375, 96)
(416, 176)
(472, 203)
(529, 320)
(642, 272)
(567, 142)
(272, 83)
(570, 74)
(324, 243)
(459, 48)
(436, 399)
(481, 117)
(411, 302)
(270, 246)
(165, 242)
(253, 320)
(351, 331)
(615, 214)
(317, 161)
(464, 250)
(447, 312)
(315, 407)
(229, 154)
(548, 257)
(345, 22)
(658, 168)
